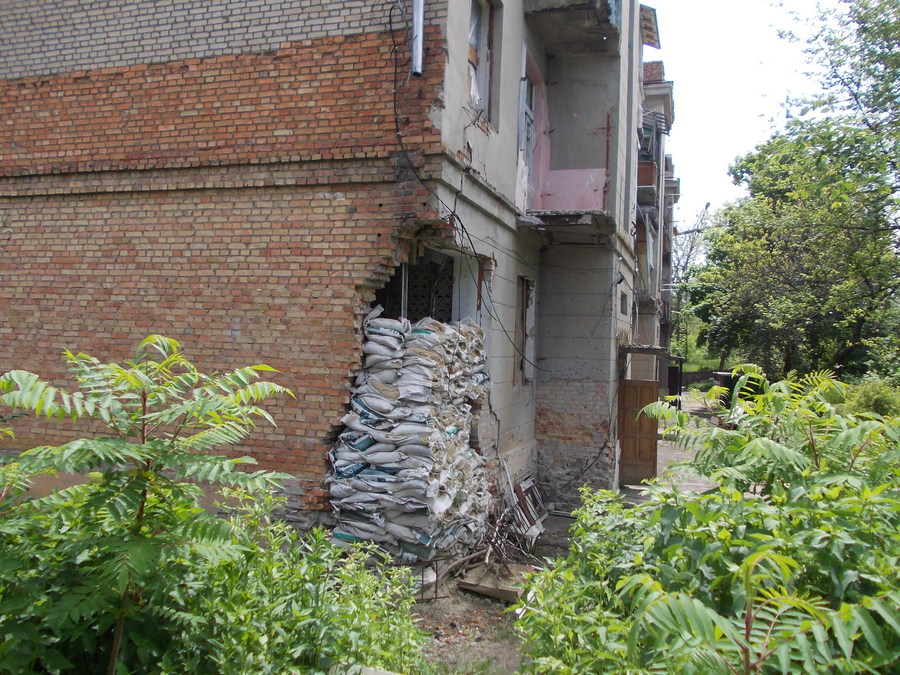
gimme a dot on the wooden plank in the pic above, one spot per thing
(485, 581)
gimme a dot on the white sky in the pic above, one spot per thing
(732, 74)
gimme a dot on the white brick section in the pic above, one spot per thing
(40, 38)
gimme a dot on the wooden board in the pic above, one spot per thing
(486, 581)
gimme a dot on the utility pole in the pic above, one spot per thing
(685, 257)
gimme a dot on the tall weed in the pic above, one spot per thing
(791, 565)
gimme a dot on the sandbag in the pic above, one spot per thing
(403, 474)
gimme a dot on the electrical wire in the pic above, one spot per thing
(458, 224)
(463, 233)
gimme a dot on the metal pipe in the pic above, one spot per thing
(418, 28)
(404, 290)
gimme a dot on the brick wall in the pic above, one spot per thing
(654, 72)
(572, 430)
(37, 38)
(246, 205)
(325, 99)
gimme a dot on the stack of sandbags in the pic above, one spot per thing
(404, 474)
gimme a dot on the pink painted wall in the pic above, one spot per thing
(571, 190)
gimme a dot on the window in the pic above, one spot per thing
(525, 178)
(421, 289)
(524, 345)
(623, 304)
(528, 137)
(485, 18)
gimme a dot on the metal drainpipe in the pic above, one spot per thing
(418, 28)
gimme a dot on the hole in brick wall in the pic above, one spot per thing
(426, 286)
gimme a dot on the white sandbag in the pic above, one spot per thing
(376, 402)
(382, 447)
(377, 349)
(408, 428)
(391, 341)
(376, 386)
(381, 458)
(405, 448)
(386, 375)
(417, 450)
(383, 362)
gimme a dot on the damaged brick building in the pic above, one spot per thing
(251, 178)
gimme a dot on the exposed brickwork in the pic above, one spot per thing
(37, 38)
(238, 276)
(164, 199)
(327, 99)
(654, 72)
(572, 430)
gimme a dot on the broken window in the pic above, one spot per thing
(483, 55)
(524, 345)
(527, 136)
(645, 248)
(530, 98)
(528, 132)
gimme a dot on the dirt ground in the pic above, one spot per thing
(469, 633)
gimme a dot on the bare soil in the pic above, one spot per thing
(469, 633)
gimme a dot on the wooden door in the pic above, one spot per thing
(637, 435)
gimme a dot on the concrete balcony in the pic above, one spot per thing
(648, 173)
(569, 208)
(572, 190)
(571, 227)
(575, 26)
(648, 183)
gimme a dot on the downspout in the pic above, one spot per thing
(418, 27)
(609, 114)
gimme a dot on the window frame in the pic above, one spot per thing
(483, 58)
(523, 342)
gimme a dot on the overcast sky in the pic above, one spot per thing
(732, 74)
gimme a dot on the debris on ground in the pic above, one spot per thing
(469, 633)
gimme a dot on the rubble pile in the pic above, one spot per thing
(404, 475)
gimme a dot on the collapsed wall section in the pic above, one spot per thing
(244, 205)
(575, 444)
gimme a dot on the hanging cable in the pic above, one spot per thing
(453, 217)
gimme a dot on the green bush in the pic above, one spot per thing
(293, 604)
(701, 387)
(127, 573)
(872, 396)
(790, 566)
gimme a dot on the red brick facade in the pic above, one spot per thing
(322, 99)
(245, 205)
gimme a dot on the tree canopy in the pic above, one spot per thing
(804, 273)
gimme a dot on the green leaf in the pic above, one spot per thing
(870, 630)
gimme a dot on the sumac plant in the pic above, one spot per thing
(789, 565)
(125, 572)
